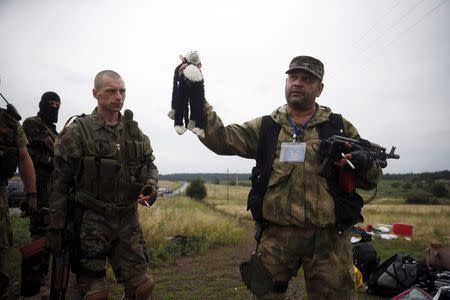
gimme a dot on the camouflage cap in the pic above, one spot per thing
(307, 63)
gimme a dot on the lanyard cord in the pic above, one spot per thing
(297, 129)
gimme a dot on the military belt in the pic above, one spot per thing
(103, 208)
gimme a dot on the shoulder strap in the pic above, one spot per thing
(267, 142)
(265, 153)
(335, 126)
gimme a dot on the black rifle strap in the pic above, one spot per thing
(267, 145)
(265, 153)
(334, 127)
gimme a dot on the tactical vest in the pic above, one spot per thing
(9, 152)
(110, 177)
(265, 153)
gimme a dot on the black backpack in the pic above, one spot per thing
(365, 258)
(394, 275)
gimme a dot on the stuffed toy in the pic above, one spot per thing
(188, 92)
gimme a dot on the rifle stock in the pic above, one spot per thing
(60, 274)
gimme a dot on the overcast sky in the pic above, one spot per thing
(387, 66)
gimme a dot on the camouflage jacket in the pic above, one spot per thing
(12, 138)
(41, 137)
(101, 166)
(296, 194)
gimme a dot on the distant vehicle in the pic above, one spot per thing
(163, 191)
(15, 193)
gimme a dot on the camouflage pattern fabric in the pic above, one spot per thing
(307, 63)
(111, 233)
(41, 137)
(296, 193)
(5, 238)
(121, 241)
(297, 205)
(325, 256)
(5, 225)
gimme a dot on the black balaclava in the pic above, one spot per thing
(48, 113)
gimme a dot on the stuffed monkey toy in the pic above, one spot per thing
(188, 91)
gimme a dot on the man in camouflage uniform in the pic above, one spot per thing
(41, 133)
(298, 208)
(104, 166)
(13, 153)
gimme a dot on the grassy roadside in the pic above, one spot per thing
(195, 249)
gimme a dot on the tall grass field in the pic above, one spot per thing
(179, 226)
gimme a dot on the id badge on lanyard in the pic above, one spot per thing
(294, 151)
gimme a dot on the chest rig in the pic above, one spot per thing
(111, 174)
(9, 153)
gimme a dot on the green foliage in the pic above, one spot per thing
(426, 176)
(419, 197)
(196, 189)
(406, 186)
(439, 190)
(395, 185)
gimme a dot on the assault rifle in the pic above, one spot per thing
(334, 148)
(11, 109)
(67, 260)
(60, 273)
(60, 265)
(33, 254)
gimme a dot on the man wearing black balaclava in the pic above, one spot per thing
(41, 133)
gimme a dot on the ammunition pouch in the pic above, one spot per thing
(256, 194)
(99, 177)
(256, 276)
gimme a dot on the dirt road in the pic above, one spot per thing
(213, 275)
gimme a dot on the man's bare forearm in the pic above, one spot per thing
(26, 171)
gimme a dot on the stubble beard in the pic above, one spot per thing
(301, 104)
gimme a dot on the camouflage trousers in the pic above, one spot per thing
(5, 241)
(117, 239)
(326, 258)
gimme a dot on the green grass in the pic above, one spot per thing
(224, 222)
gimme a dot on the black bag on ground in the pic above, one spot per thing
(393, 276)
(365, 258)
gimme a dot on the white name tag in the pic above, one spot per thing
(292, 152)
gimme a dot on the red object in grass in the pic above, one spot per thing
(402, 229)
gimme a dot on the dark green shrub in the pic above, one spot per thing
(196, 189)
(439, 190)
(395, 185)
(419, 197)
(406, 186)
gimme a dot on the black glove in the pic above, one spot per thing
(54, 240)
(362, 160)
(28, 206)
(152, 191)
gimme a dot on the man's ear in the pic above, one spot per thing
(94, 93)
(319, 90)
